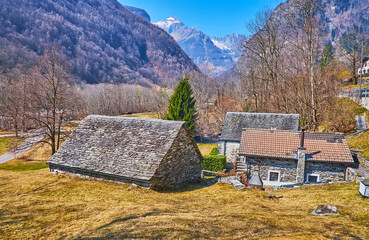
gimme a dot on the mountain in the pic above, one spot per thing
(338, 17)
(103, 41)
(213, 55)
(139, 12)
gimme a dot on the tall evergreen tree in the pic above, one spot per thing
(182, 104)
(327, 56)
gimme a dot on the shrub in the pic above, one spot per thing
(214, 163)
(214, 151)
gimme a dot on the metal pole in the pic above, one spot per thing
(361, 71)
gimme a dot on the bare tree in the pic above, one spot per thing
(52, 101)
(11, 103)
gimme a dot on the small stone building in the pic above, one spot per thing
(235, 121)
(152, 153)
(288, 157)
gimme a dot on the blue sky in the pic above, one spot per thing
(213, 17)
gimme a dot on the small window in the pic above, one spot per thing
(313, 178)
(274, 176)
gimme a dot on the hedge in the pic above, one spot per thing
(214, 163)
(214, 151)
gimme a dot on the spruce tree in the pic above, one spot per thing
(327, 56)
(182, 104)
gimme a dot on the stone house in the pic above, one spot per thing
(365, 68)
(235, 121)
(152, 153)
(288, 157)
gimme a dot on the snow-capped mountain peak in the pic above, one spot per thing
(220, 54)
(168, 22)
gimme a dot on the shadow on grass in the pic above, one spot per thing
(191, 187)
(119, 220)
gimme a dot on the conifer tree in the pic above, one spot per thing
(182, 104)
(327, 56)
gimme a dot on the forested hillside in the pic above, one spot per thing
(102, 40)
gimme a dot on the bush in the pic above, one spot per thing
(214, 163)
(214, 151)
(340, 116)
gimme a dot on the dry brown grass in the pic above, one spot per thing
(144, 115)
(40, 152)
(70, 126)
(2, 132)
(39, 205)
(360, 142)
(205, 148)
(35, 204)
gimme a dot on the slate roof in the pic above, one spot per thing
(325, 147)
(236, 121)
(127, 147)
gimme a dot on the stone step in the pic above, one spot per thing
(237, 184)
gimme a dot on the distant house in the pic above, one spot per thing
(235, 121)
(152, 153)
(365, 67)
(287, 157)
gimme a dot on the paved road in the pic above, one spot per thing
(32, 139)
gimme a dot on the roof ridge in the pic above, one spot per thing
(134, 118)
(292, 131)
(250, 113)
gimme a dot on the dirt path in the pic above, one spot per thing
(32, 139)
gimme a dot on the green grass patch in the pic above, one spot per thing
(360, 143)
(22, 166)
(8, 143)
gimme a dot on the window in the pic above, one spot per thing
(274, 176)
(313, 178)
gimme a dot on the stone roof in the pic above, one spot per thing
(236, 121)
(131, 148)
(325, 147)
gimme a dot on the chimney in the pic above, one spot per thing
(301, 156)
(302, 140)
(256, 180)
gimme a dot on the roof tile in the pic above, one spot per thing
(329, 147)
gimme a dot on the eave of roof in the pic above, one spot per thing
(295, 159)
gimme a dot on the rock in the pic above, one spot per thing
(323, 210)
(237, 184)
(227, 179)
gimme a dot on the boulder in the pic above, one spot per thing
(323, 210)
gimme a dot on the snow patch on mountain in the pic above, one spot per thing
(220, 45)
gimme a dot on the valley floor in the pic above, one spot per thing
(35, 204)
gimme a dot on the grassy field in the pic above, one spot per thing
(356, 86)
(35, 204)
(360, 143)
(205, 148)
(144, 115)
(8, 143)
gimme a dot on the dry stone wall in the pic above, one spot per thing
(182, 164)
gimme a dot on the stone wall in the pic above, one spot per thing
(230, 150)
(181, 165)
(326, 171)
(287, 168)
